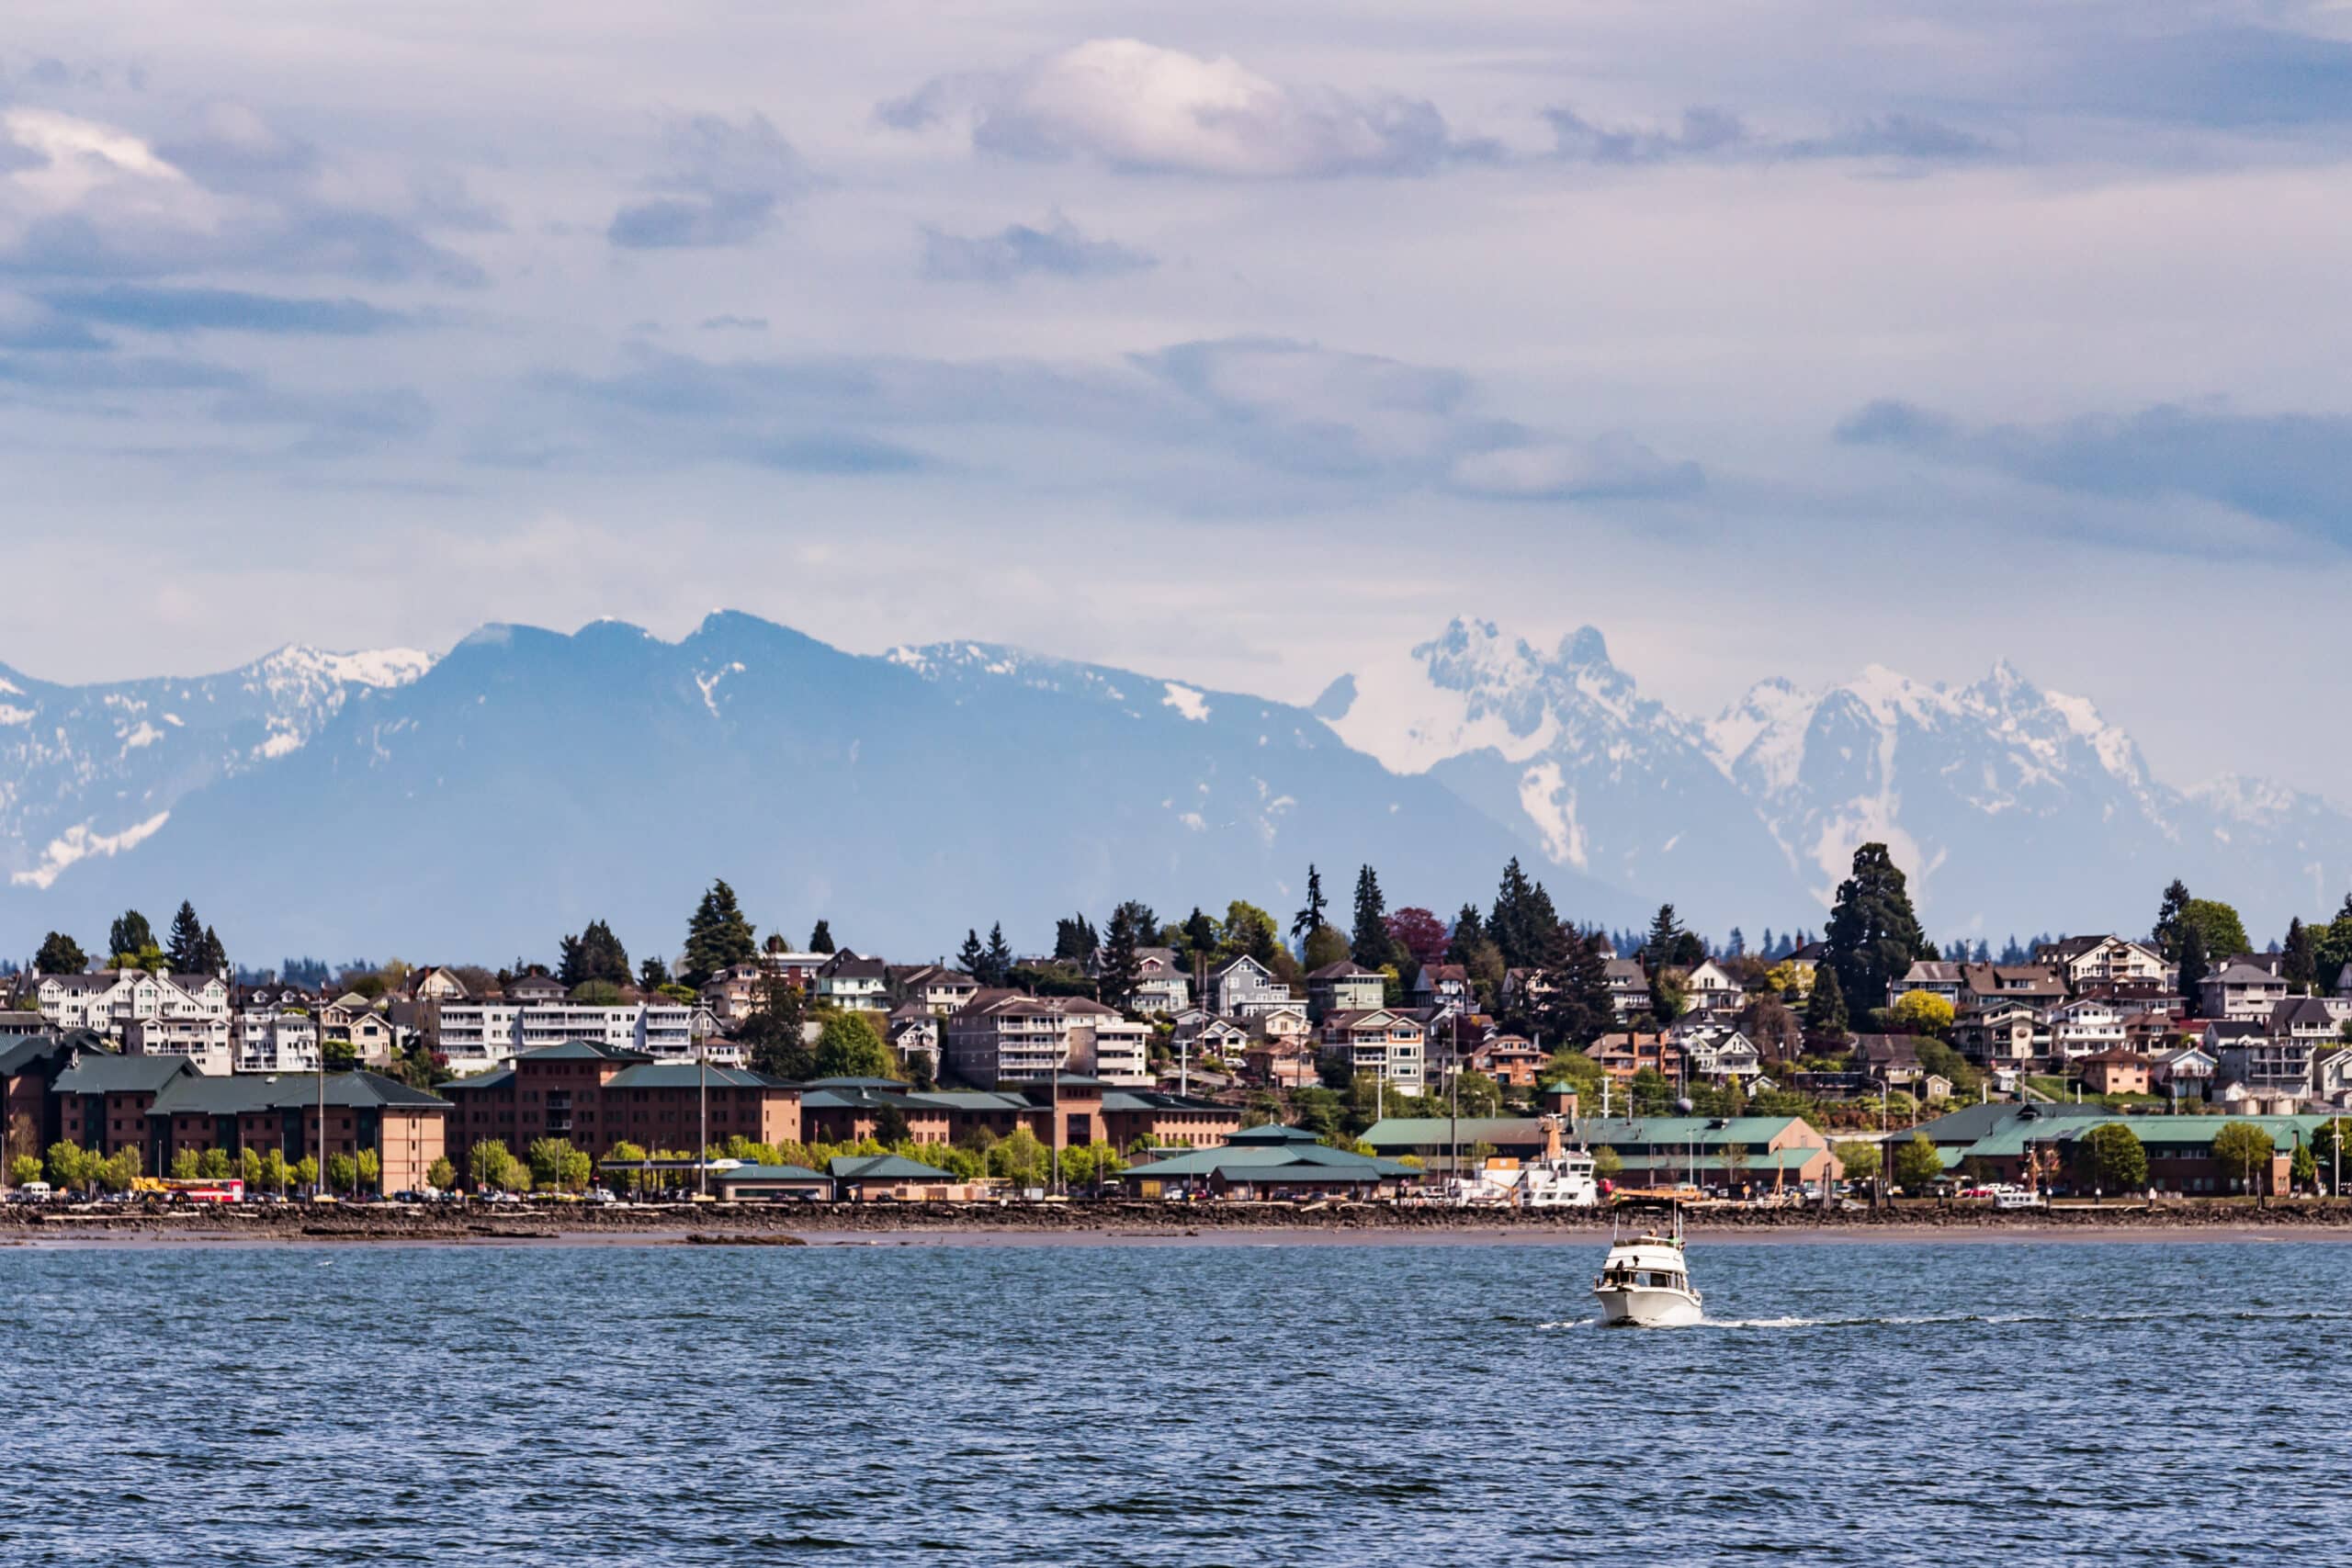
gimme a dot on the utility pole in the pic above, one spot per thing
(702, 1111)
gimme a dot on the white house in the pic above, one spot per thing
(854, 984)
(204, 1042)
(2086, 1028)
(1382, 1040)
(2084, 961)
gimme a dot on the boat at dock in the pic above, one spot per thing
(1645, 1280)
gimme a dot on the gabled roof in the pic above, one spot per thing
(103, 1072)
(882, 1168)
(2236, 973)
(1344, 970)
(689, 1074)
(581, 1050)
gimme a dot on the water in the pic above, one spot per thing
(1146, 1404)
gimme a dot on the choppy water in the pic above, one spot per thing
(581, 1406)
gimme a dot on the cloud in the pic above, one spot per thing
(1057, 250)
(1708, 134)
(2289, 468)
(1138, 106)
(100, 201)
(723, 186)
(174, 309)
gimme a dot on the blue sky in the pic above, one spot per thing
(1228, 342)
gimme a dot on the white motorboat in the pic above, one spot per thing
(1646, 1282)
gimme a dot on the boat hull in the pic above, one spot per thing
(1646, 1306)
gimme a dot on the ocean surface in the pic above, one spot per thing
(1132, 1403)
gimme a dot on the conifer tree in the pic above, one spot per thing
(2193, 968)
(1310, 917)
(1873, 934)
(1368, 944)
(999, 957)
(820, 939)
(185, 951)
(130, 933)
(718, 935)
(2299, 960)
(1825, 1012)
(1120, 970)
(595, 955)
(59, 955)
(972, 958)
(2170, 915)
(1469, 931)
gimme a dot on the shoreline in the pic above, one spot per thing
(1121, 1223)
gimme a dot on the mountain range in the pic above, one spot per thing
(479, 804)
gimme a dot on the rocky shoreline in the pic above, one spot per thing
(1114, 1219)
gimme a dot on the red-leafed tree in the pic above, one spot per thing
(1419, 933)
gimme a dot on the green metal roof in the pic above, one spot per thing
(688, 1075)
(882, 1168)
(2165, 1136)
(1437, 1132)
(1270, 1162)
(580, 1051)
(760, 1173)
(103, 1072)
(197, 1094)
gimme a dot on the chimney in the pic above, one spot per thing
(1557, 1100)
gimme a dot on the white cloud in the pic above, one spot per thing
(1138, 105)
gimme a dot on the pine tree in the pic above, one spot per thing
(972, 958)
(130, 933)
(652, 975)
(1075, 939)
(1200, 936)
(1578, 1010)
(1873, 935)
(1523, 925)
(185, 953)
(2300, 965)
(595, 955)
(2193, 968)
(2170, 914)
(1368, 945)
(216, 954)
(776, 944)
(1825, 1012)
(718, 936)
(1310, 917)
(1468, 932)
(1120, 970)
(1736, 945)
(820, 939)
(999, 957)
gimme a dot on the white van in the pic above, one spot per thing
(33, 1192)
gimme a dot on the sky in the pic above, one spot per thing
(1230, 342)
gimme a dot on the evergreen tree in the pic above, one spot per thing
(186, 952)
(773, 1035)
(1825, 1012)
(1201, 937)
(1874, 936)
(1984, 954)
(130, 933)
(1764, 948)
(820, 938)
(652, 975)
(595, 955)
(999, 957)
(2300, 964)
(1075, 939)
(718, 936)
(1120, 970)
(1578, 1010)
(1468, 932)
(776, 944)
(1309, 918)
(2169, 915)
(972, 958)
(1657, 948)
(2193, 968)
(2011, 951)
(59, 955)
(1736, 945)
(1523, 924)
(216, 954)
(1368, 944)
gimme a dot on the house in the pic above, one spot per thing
(1382, 1040)
(931, 986)
(1936, 977)
(1435, 983)
(2331, 1076)
(913, 1031)
(1163, 986)
(107, 1001)
(1622, 1055)
(2117, 1071)
(2241, 990)
(1508, 1058)
(1890, 1059)
(1717, 1054)
(1344, 987)
(2185, 1072)
(535, 985)
(205, 1043)
(2099, 962)
(433, 983)
(2307, 1019)
(2001, 1034)
(1710, 992)
(1629, 986)
(1526, 989)
(734, 994)
(1243, 987)
(2086, 1027)
(1983, 986)
(854, 983)
(2249, 1054)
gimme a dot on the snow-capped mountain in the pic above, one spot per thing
(2008, 804)
(93, 771)
(529, 781)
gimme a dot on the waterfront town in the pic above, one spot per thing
(1382, 1054)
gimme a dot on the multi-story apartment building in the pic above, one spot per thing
(474, 1037)
(203, 1041)
(1004, 1036)
(276, 1040)
(1382, 1041)
(598, 1096)
(109, 1001)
